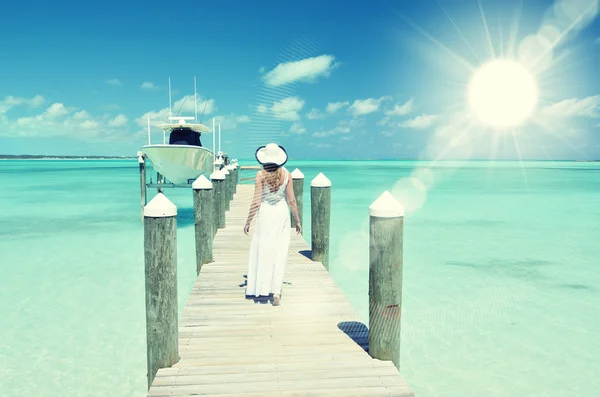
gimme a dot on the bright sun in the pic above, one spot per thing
(502, 93)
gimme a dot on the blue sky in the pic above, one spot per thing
(349, 80)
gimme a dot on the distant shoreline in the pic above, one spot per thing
(50, 157)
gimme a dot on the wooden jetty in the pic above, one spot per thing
(313, 344)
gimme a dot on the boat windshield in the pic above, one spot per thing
(184, 136)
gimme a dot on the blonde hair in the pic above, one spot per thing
(273, 178)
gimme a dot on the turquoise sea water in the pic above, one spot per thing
(501, 280)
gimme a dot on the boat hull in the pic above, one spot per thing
(180, 163)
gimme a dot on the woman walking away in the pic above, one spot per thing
(273, 195)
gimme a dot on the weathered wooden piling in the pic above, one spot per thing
(218, 181)
(320, 205)
(231, 188)
(236, 176)
(142, 163)
(385, 278)
(226, 187)
(203, 221)
(160, 258)
(298, 182)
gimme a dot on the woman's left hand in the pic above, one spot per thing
(247, 228)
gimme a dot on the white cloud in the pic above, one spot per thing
(285, 109)
(342, 127)
(37, 100)
(81, 115)
(573, 107)
(306, 70)
(385, 121)
(401, 110)
(333, 107)
(231, 121)
(89, 125)
(183, 106)
(262, 108)
(59, 119)
(55, 111)
(10, 102)
(148, 85)
(420, 122)
(315, 114)
(297, 128)
(114, 82)
(360, 107)
(119, 121)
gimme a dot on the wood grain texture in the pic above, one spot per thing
(203, 224)
(320, 207)
(299, 194)
(143, 185)
(385, 287)
(313, 344)
(215, 216)
(160, 258)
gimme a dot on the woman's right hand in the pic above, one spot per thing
(298, 228)
(247, 228)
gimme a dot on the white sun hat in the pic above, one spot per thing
(271, 154)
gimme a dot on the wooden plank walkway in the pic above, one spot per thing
(310, 345)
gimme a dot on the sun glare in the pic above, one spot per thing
(502, 93)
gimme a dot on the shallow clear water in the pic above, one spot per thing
(500, 273)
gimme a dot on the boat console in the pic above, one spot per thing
(184, 136)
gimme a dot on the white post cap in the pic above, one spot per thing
(386, 206)
(160, 207)
(230, 167)
(141, 157)
(297, 174)
(320, 181)
(202, 183)
(218, 175)
(225, 171)
(218, 161)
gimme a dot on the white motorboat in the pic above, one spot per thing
(183, 158)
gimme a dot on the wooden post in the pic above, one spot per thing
(203, 221)
(160, 258)
(231, 187)
(236, 176)
(385, 278)
(218, 180)
(320, 203)
(142, 163)
(226, 186)
(298, 181)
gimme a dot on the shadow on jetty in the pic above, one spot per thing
(357, 331)
(306, 253)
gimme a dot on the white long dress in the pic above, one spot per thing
(270, 243)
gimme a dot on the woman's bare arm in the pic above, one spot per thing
(291, 199)
(256, 199)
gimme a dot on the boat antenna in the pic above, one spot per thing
(203, 110)
(182, 103)
(170, 111)
(195, 100)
